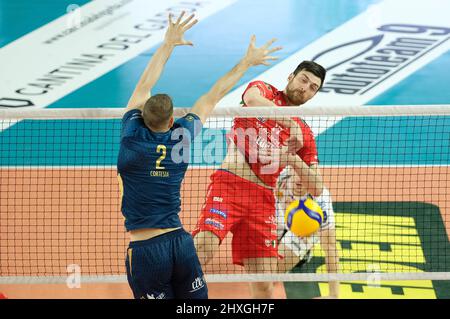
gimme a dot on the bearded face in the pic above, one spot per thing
(302, 87)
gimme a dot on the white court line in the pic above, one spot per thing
(297, 277)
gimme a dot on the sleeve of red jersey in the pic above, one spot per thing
(308, 153)
(265, 90)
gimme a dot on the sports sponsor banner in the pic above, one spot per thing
(84, 44)
(370, 53)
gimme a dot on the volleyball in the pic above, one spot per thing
(303, 217)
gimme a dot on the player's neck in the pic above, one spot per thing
(288, 102)
(160, 130)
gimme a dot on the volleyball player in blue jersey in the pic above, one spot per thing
(161, 259)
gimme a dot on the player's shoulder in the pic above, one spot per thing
(132, 124)
(132, 114)
(305, 126)
(262, 85)
(299, 120)
(190, 122)
(188, 118)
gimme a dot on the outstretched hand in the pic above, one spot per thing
(257, 56)
(175, 31)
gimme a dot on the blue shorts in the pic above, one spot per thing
(165, 267)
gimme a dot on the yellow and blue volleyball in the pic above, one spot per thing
(303, 217)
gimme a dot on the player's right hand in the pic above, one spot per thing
(295, 141)
(175, 31)
(257, 56)
(287, 158)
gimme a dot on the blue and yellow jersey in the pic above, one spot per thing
(151, 168)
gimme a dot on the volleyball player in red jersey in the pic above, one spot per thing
(240, 196)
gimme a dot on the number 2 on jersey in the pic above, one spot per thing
(161, 149)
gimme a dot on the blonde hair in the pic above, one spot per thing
(157, 111)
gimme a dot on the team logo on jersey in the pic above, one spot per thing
(198, 284)
(217, 199)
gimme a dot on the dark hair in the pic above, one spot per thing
(157, 111)
(314, 68)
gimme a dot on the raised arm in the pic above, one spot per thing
(254, 56)
(174, 37)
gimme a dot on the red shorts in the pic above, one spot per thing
(244, 208)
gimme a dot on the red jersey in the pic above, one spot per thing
(269, 135)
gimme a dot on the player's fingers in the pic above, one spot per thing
(253, 40)
(275, 50)
(291, 147)
(180, 17)
(187, 20)
(170, 18)
(190, 25)
(271, 58)
(268, 44)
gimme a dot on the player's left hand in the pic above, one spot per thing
(261, 55)
(286, 156)
(176, 30)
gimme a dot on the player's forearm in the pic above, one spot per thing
(204, 106)
(226, 83)
(311, 178)
(257, 100)
(150, 76)
(289, 124)
(155, 67)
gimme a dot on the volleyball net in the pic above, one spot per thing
(386, 167)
